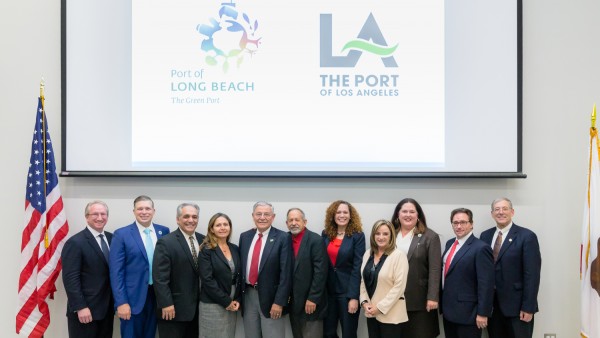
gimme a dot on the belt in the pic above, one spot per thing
(255, 286)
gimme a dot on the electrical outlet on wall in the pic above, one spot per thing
(549, 335)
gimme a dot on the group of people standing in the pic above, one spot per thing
(190, 285)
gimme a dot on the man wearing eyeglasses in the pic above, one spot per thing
(266, 257)
(84, 257)
(467, 280)
(518, 261)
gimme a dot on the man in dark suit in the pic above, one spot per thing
(176, 277)
(518, 262)
(467, 280)
(86, 278)
(308, 301)
(266, 258)
(130, 271)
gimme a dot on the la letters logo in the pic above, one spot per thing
(369, 32)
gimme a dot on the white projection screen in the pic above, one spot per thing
(336, 88)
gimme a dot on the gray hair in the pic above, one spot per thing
(89, 205)
(263, 204)
(299, 210)
(183, 205)
(500, 199)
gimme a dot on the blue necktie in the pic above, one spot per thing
(149, 252)
(104, 247)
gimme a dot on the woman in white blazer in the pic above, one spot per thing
(384, 271)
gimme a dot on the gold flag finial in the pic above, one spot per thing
(594, 117)
(42, 85)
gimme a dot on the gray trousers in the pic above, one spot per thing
(256, 325)
(302, 328)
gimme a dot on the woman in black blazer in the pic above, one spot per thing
(220, 269)
(345, 243)
(423, 249)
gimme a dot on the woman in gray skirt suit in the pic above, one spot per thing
(220, 269)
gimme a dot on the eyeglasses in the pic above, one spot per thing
(98, 214)
(505, 209)
(263, 214)
(461, 223)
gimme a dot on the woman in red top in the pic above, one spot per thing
(345, 244)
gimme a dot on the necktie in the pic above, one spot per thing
(449, 258)
(194, 253)
(149, 251)
(253, 276)
(497, 245)
(104, 247)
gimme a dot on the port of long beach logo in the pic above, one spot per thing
(229, 39)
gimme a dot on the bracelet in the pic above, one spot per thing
(363, 302)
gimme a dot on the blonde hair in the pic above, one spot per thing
(391, 246)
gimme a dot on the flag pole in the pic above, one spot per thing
(42, 98)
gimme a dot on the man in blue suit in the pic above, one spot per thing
(518, 262)
(266, 258)
(130, 271)
(467, 280)
(84, 257)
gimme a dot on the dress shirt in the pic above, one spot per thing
(403, 243)
(504, 233)
(296, 240)
(96, 234)
(141, 229)
(195, 240)
(262, 248)
(460, 244)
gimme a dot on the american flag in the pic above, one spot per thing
(44, 233)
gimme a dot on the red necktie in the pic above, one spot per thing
(253, 276)
(449, 258)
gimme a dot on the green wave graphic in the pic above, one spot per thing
(369, 47)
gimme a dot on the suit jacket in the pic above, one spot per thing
(310, 276)
(469, 285)
(343, 279)
(389, 293)
(275, 270)
(129, 267)
(176, 280)
(424, 273)
(517, 270)
(216, 276)
(85, 275)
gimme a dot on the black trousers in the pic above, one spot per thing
(501, 326)
(102, 328)
(382, 330)
(175, 329)
(454, 330)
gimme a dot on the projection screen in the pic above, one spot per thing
(331, 88)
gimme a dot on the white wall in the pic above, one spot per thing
(561, 54)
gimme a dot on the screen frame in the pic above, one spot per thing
(300, 174)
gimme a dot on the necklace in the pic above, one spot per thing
(341, 233)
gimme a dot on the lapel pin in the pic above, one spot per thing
(160, 232)
(271, 240)
(510, 239)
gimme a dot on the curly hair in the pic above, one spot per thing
(210, 241)
(354, 224)
(421, 221)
